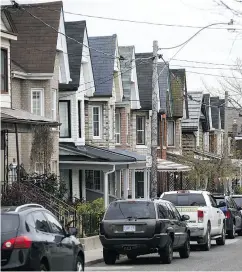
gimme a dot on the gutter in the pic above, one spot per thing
(36, 76)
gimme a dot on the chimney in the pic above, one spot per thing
(235, 128)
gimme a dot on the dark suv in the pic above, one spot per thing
(33, 239)
(138, 227)
(232, 213)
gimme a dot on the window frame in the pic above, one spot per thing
(118, 133)
(174, 133)
(42, 100)
(127, 127)
(93, 179)
(140, 130)
(69, 117)
(50, 225)
(79, 108)
(138, 183)
(49, 228)
(54, 104)
(99, 122)
(4, 76)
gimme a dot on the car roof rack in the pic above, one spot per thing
(26, 206)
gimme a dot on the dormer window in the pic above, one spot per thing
(4, 71)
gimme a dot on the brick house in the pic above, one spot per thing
(17, 120)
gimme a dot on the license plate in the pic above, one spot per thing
(129, 228)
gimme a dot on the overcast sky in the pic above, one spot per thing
(217, 46)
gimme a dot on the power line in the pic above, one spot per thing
(203, 62)
(205, 67)
(192, 72)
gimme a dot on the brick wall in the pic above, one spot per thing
(188, 143)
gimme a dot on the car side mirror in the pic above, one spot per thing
(185, 217)
(73, 231)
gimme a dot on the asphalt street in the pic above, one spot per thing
(219, 258)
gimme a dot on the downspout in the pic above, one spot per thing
(106, 194)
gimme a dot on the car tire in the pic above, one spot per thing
(132, 257)
(109, 257)
(240, 232)
(43, 267)
(166, 254)
(184, 252)
(231, 233)
(207, 245)
(221, 241)
(79, 264)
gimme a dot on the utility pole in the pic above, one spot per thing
(153, 182)
(226, 138)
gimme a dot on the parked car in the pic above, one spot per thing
(139, 227)
(232, 213)
(238, 201)
(33, 239)
(206, 222)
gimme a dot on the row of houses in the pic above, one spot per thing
(81, 107)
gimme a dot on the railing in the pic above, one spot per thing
(88, 224)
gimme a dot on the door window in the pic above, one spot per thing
(55, 225)
(175, 211)
(213, 202)
(162, 211)
(41, 223)
(170, 212)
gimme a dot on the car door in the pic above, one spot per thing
(44, 240)
(65, 246)
(174, 224)
(236, 213)
(216, 217)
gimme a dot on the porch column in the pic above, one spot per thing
(84, 193)
(106, 195)
(126, 183)
(145, 184)
(75, 183)
(118, 183)
(133, 183)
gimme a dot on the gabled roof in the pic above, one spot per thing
(35, 48)
(214, 102)
(144, 75)
(126, 65)
(103, 65)
(163, 72)
(75, 30)
(194, 108)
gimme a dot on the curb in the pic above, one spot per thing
(96, 261)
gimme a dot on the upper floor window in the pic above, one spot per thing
(127, 128)
(54, 103)
(37, 101)
(96, 117)
(117, 127)
(171, 133)
(4, 70)
(65, 116)
(140, 130)
(79, 119)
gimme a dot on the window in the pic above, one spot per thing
(4, 70)
(111, 129)
(79, 119)
(65, 115)
(54, 102)
(127, 128)
(41, 223)
(93, 179)
(37, 101)
(96, 114)
(186, 199)
(29, 222)
(140, 128)
(139, 184)
(9, 222)
(175, 211)
(162, 211)
(213, 201)
(159, 121)
(55, 225)
(171, 133)
(117, 127)
(39, 167)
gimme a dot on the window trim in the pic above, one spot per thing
(54, 105)
(174, 133)
(93, 184)
(144, 131)
(127, 128)
(6, 66)
(99, 120)
(118, 133)
(69, 117)
(42, 106)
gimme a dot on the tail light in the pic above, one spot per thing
(101, 229)
(227, 214)
(17, 242)
(200, 216)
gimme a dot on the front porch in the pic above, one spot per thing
(91, 172)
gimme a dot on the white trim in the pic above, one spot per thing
(99, 120)
(54, 103)
(118, 133)
(35, 76)
(42, 106)
(8, 36)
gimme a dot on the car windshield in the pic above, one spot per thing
(238, 201)
(130, 209)
(187, 199)
(9, 222)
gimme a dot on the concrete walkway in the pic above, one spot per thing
(93, 256)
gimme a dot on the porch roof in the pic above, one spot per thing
(87, 153)
(169, 166)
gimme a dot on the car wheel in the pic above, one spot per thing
(132, 256)
(207, 245)
(184, 252)
(43, 267)
(231, 233)
(221, 241)
(166, 254)
(109, 257)
(240, 232)
(79, 264)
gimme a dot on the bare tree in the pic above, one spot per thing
(234, 6)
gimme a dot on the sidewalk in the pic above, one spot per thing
(93, 256)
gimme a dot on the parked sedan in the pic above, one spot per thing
(238, 200)
(232, 213)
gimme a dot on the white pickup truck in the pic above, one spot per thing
(206, 221)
